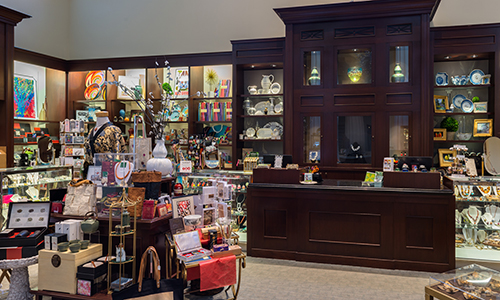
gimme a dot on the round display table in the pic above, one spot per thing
(19, 281)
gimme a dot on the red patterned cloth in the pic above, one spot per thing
(218, 272)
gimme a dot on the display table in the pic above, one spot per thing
(63, 296)
(19, 288)
(343, 223)
(149, 233)
(431, 293)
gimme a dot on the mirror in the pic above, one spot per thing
(491, 148)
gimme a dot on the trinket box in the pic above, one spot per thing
(188, 246)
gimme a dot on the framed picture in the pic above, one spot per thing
(480, 107)
(209, 216)
(183, 206)
(440, 134)
(483, 127)
(82, 115)
(446, 157)
(441, 104)
(25, 102)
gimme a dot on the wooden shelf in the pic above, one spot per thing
(26, 144)
(461, 141)
(467, 86)
(213, 98)
(261, 95)
(33, 121)
(207, 122)
(261, 140)
(462, 114)
(260, 116)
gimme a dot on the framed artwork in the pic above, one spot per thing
(183, 206)
(25, 105)
(440, 134)
(209, 216)
(480, 107)
(483, 127)
(446, 157)
(441, 104)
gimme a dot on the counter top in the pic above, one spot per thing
(349, 185)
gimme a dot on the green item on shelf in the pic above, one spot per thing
(450, 124)
(475, 99)
(167, 88)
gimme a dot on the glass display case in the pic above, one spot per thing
(312, 139)
(398, 135)
(398, 65)
(31, 183)
(477, 217)
(354, 66)
(354, 145)
(194, 183)
(469, 282)
(312, 68)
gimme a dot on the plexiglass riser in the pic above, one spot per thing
(469, 282)
(477, 219)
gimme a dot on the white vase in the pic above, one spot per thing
(160, 162)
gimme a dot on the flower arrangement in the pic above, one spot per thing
(211, 78)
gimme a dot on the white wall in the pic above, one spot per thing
(78, 29)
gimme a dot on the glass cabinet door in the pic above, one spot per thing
(354, 66)
(312, 68)
(311, 139)
(354, 139)
(398, 64)
(398, 135)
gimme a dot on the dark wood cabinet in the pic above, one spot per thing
(364, 68)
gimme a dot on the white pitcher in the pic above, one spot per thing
(266, 82)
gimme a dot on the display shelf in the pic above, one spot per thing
(211, 98)
(90, 101)
(34, 184)
(478, 227)
(260, 116)
(260, 95)
(26, 144)
(129, 260)
(261, 140)
(114, 233)
(461, 141)
(463, 114)
(208, 122)
(466, 86)
(33, 121)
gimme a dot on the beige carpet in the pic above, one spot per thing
(282, 279)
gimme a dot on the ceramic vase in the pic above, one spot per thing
(398, 75)
(354, 73)
(314, 79)
(266, 81)
(160, 162)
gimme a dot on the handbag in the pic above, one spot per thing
(136, 194)
(150, 180)
(80, 198)
(141, 146)
(152, 288)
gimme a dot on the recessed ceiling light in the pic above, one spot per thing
(274, 66)
(446, 57)
(253, 66)
(474, 55)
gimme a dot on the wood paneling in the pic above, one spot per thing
(399, 99)
(345, 100)
(306, 101)
(384, 227)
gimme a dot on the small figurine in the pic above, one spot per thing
(405, 168)
(120, 253)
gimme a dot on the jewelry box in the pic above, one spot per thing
(188, 246)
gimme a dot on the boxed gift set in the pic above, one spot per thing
(26, 226)
(91, 277)
(188, 246)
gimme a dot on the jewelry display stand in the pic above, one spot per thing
(113, 169)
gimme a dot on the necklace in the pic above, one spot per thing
(313, 155)
(217, 131)
(493, 213)
(474, 220)
(464, 191)
(485, 190)
(355, 149)
(121, 166)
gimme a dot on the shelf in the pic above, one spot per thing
(34, 184)
(206, 122)
(461, 141)
(478, 226)
(260, 116)
(213, 98)
(476, 199)
(114, 233)
(467, 86)
(261, 95)
(261, 140)
(91, 101)
(33, 121)
(26, 144)
(461, 114)
(129, 260)
(174, 122)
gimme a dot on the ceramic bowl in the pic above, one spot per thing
(75, 247)
(63, 246)
(74, 241)
(85, 244)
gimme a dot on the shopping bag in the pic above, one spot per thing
(80, 198)
(152, 288)
(150, 180)
(141, 146)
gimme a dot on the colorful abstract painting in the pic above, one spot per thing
(24, 97)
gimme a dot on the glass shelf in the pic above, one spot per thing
(114, 233)
(260, 116)
(478, 227)
(34, 184)
(129, 260)
(354, 66)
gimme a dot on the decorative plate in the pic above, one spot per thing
(92, 91)
(275, 88)
(278, 108)
(174, 117)
(457, 100)
(261, 106)
(476, 76)
(467, 106)
(441, 78)
(250, 132)
(264, 133)
(274, 126)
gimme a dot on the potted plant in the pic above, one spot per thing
(451, 126)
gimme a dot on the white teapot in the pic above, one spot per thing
(266, 82)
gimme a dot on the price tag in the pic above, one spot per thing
(203, 110)
(185, 166)
(229, 110)
(216, 110)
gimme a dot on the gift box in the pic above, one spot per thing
(188, 246)
(29, 221)
(92, 270)
(52, 239)
(148, 209)
(89, 287)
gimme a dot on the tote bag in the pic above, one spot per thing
(152, 288)
(141, 146)
(80, 198)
